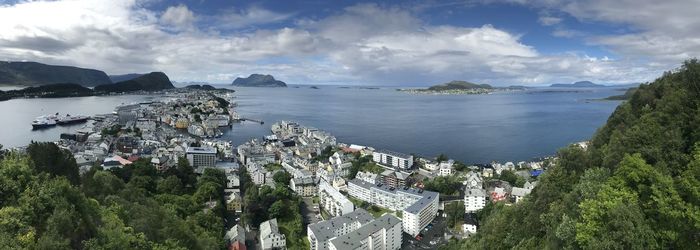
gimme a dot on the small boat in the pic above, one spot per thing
(44, 121)
(69, 119)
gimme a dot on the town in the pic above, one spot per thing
(298, 187)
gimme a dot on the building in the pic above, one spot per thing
(367, 177)
(332, 201)
(320, 234)
(474, 180)
(270, 236)
(305, 187)
(382, 233)
(236, 233)
(518, 193)
(419, 207)
(498, 194)
(201, 157)
(446, 168)
(394, 159)
(474, 199)
(234, 202)
(470, 224)
(394, 179)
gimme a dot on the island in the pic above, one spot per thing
(207, 87)
(580, 84)
(258, 80)
(153, 81)
(37, 74)
(453, 88)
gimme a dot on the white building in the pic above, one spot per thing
(270, 236)
(418, 207)
(474, 199)
(332, 201)
(446, 168)
(382, 233)
(201, 157)
(394, 159)
(320, 234)
(367, 177)
(474, 180)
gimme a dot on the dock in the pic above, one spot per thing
(251, 120)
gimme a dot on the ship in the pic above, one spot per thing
(69, 119)
(44, 121)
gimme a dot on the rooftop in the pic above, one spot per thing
(392, 153)
(325, 230)
(201, 150)
(354, 238)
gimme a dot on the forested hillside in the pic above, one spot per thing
(46, 204)
(637, 186)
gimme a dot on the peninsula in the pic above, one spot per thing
(36, 74)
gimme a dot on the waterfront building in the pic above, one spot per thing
(382, 233)
(446, 168)
(320, 234)
(394, 159)
(394, 179)
(419, 207)
(201, 157)
(332, 201)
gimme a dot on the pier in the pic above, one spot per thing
(251, 120)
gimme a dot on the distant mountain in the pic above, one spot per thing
(258, 80)
(149, 82)
(125, 77)
(35, 74)
(458, 85)
(202, 87)
(581, 84)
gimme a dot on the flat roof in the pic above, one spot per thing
(325, 230)
(352, 240)
(392, 153)
(201, 150)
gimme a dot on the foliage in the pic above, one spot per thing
(363, 163)
(455, 213)
(445, 185)
(637, 185)
(131, 209)
(282, 178)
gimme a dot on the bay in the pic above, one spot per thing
(504, 126)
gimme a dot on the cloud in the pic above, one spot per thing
(549, 20)
(364, 43)
(242, 18)
(179, 17)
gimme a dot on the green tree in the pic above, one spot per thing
(282, 178)
(48, 158)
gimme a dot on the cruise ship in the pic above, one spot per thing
(69, 119)
(44, 121)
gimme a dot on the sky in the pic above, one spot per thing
(386, 43)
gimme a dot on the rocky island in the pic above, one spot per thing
(258, 80)
(453, 88)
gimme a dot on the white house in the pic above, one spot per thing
(270, 236)
(474, 199)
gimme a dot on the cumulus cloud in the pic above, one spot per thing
(179, 17)
(364, 43)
